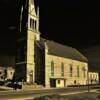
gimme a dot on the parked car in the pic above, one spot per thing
(17, 86)
(14, 85)
(1, 83)
(9, 84)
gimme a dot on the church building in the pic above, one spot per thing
(43, 61)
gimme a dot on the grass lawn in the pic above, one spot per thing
(81, 96)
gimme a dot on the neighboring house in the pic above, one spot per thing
(9, 73)
(93, 77)
(5, 62)
(6, 73)
(2, 74)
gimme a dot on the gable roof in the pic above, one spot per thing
(57, 49)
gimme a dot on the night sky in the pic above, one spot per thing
(70, 22)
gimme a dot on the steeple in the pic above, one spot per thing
(32, 36)
(30, 16)
(29, 33)
(33, 17)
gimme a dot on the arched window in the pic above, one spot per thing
(70, 70)
(32, 22)
(62, 69)
(78, 72)
(35, 25)
(84, 72)
(52, 68)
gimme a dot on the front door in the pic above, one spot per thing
(52, 83)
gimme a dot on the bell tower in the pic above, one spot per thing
(32, 36)
(29, 33)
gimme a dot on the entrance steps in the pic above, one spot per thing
(31, 86)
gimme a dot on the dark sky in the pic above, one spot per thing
(70, 22)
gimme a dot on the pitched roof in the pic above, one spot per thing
(57, 49)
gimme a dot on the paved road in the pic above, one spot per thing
(16, 95)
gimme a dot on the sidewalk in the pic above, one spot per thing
(24, 88)
(5, 89)
(29, 88)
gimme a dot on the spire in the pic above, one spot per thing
(32, 7)
(37, 20)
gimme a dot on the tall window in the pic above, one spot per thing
(35, 25)
(90, 76)
(93, 76)
(52, 68)
(96, 76)
(84, 72)
(78, 71)
(31, 23)
(62, 69)
(70, 70)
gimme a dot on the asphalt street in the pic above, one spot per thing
(16, 95)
